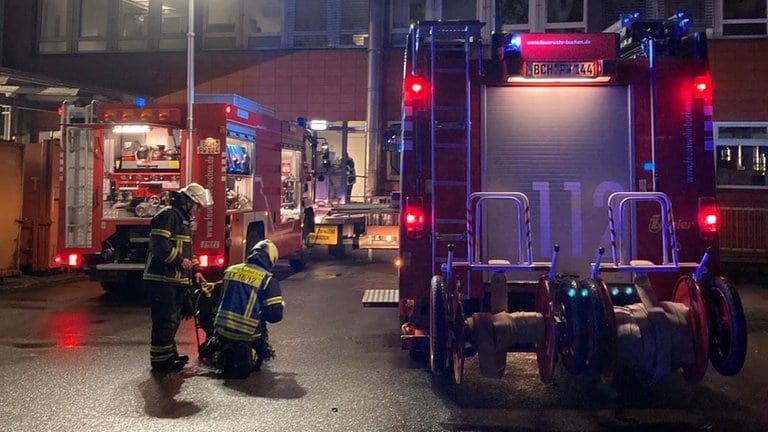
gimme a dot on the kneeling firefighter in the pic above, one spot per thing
(250, 298)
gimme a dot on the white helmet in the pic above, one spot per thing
(198, 194)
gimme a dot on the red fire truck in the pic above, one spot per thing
(120, 162)
(537, 189)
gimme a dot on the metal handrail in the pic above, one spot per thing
(474, 207)
(618, 201)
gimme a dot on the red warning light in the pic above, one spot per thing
(414, 217)
(227, 109)
(418, 86)
(416, 92)
(708, 217)
(702, 86)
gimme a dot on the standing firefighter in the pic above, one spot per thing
(251, 298)
(351, 177)
(169, 270)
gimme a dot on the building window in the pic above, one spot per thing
(551, 16)
(459, 10)
(310, 24)
(112, 25)
(54, 26)
(221, 20)
(741, 151)
(744, 18)
(514, 15)
(270, 24)
(566, 16)
(264, 23)
(404, 13)
(133, 21)
(174, 22)
(326, 23)
(354, 23)
(93, 25)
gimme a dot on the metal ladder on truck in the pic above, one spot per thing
(450, 45)
(78, 173)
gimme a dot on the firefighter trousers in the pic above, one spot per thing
(166, 303)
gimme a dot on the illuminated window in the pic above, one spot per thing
(112, 25)
(93, 25)
(173, 25)
(740, 156)
(263, 23)
(354, 23)
(54, 26)
(133, 20)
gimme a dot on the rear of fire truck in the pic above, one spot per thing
(120, 163)
(118, 166)
(541, 179)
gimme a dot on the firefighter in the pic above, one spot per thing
(169, 270)
(251, 298)
(351, 176)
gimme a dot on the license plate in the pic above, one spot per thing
(561, 69)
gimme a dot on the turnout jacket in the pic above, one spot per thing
(170, 241)
(250, 295)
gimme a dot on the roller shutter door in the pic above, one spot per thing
(567, 149)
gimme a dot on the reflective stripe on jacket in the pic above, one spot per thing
(244, 297)
(170, 241)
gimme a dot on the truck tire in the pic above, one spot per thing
(438, 329)
(112, 287)
(727, 327)
(297, 264)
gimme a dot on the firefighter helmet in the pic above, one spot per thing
(198, 194)
(268, 249)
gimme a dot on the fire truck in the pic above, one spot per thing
(538, 183)
(119, 163)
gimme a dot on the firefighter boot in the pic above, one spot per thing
(182, 358)
(170, 365)
(235, 361)
(261, 351)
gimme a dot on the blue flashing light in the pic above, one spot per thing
(628, 290)
(628, 18)
(512, 43)
(648, 166)
(140, 102)
(301, 121)
(584, 292)
(684, 21)
(572, 292)
(615, 291)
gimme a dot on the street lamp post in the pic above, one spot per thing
(190, 89)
